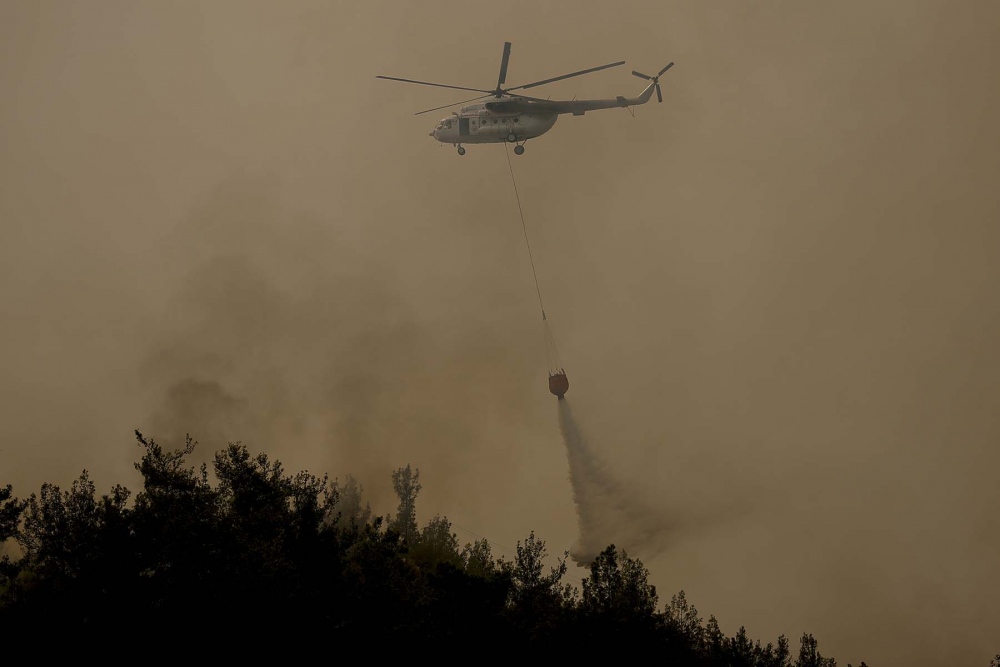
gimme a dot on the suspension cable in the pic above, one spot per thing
(551, 352)
(524, 229)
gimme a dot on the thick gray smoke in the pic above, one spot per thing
(278, 332)
(608, 513)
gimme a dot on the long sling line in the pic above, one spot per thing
(524, 229)
(551, 350)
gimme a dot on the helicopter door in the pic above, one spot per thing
(463, 126)
(474, 126)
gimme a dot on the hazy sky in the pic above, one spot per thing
(774, 294)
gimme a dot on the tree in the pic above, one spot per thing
(781, 655)
(10, 519)
(178, 535)
(809, 655)
(406, 484)
(742, 651)
(436, 544)
(528, 570)
(349, 508)
(477, 559)
(714, 640)
(618, 598)
(538, 603)
(469, 592)
(75, 547)
(63, 531)
(683, 618)
(10, 513)
(380, 589)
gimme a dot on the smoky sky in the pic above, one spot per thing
(774, 293)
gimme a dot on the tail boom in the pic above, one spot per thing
(579, 107)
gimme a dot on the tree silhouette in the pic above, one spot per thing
(618, 588)
(436, 544)
(406, 484)
(10, 518)
(246, 546)
(10, 513)
(538, 600)
(809, 655)
(349, 508)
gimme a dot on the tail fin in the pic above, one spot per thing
(646, 93)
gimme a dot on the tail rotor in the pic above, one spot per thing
(654, 79)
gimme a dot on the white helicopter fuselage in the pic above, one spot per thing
(516, 119)
(476, 124)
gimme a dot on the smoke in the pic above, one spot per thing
(280, 333)
(608, 513)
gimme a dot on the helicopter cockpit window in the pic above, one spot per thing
(447, 124)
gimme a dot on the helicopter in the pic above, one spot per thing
(514, 118)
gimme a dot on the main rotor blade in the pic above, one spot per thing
(659, 95)
(481, 97)
(641, 75)
(503, 65)
(664, 70)
(439, 85)
(566, 76)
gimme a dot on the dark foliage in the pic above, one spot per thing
(257, 550)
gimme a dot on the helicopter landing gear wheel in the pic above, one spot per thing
(512, 138)
(518, 150)
(461, 151)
